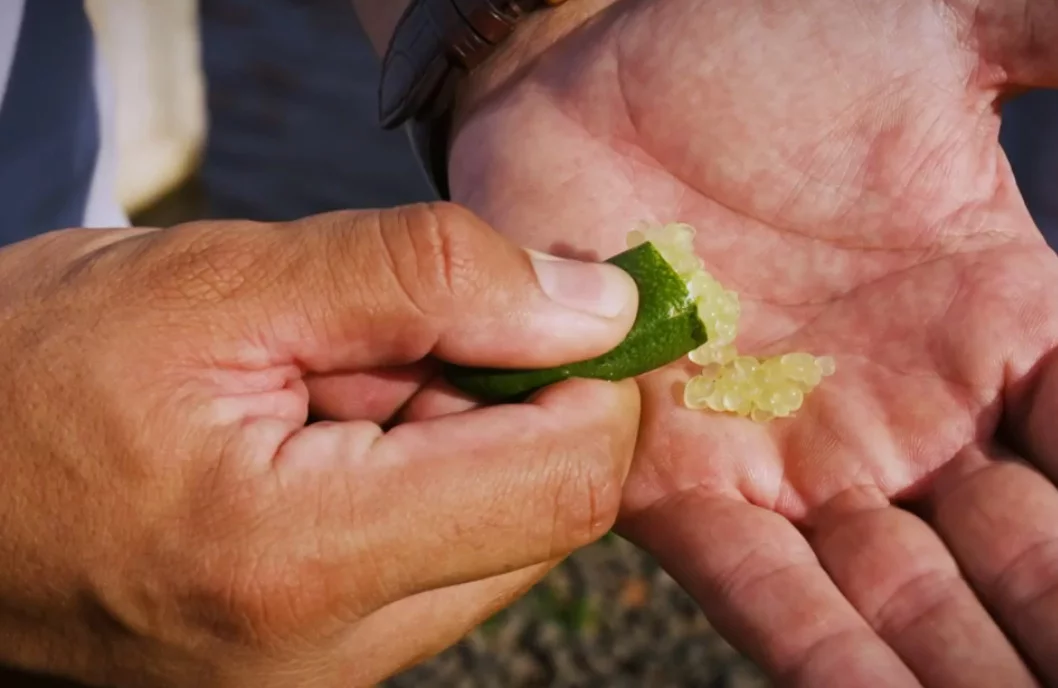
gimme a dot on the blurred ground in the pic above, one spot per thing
(608, 616)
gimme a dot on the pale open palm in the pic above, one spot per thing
(840, 160)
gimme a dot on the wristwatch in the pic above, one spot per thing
(436, 44)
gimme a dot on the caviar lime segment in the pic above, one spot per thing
(680, 304)
(667, 327)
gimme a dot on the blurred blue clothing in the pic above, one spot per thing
(293, 113)
(53, 173)
(291, 95)
(1030, 138)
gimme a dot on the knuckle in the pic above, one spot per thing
(434, 252)
(1030, 578)
(588, 496)
(589, 460)
(919, 599)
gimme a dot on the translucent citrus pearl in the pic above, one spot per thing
(715, 401)
(761, 415)
(746, 365)
(788, 397)
(697, 390)
(761, 389)
(703, 355)
(635, 238)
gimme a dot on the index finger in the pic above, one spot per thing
(468, 496)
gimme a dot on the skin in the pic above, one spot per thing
(167, 518)
(889, 229)
(840, 160)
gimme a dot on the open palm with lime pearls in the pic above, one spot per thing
(840, 163)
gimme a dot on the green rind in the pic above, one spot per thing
(666, 328)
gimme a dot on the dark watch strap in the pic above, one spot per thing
(435, 43)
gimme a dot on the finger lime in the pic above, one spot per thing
(683, 311)
(667, 327)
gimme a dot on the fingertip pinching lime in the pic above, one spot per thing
(666, 328)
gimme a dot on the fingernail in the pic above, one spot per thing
(596, 288)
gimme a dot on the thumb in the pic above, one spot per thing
(354, 290)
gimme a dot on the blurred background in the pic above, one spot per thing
(265, 109)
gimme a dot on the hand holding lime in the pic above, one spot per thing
(682, 310)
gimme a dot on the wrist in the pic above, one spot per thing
(474, 139)
(444, 58)
(536, 35)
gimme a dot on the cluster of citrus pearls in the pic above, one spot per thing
(761, 389)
